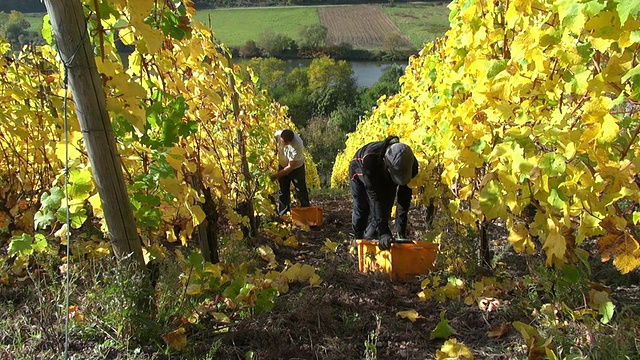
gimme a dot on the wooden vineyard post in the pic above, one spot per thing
(72, 39)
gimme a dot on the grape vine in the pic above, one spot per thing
(527, 105)
(172, 107)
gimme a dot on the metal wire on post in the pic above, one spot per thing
(68, 214)
(67, 65)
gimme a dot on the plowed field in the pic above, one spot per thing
(363, 26)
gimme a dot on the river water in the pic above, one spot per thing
(366, 73)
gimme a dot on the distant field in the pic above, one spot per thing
(420, 23)
(235, 26)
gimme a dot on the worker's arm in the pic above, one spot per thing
(292, 165)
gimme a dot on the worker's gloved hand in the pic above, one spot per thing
(384, 243)
(273, 177)
(371, 233)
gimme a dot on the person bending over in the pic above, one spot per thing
(378, 171)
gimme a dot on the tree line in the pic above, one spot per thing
(256, 3)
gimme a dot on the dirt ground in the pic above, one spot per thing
(352, 315)
(362, 26)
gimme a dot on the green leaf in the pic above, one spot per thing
(606, 310)
(233, 289)
(265, 301)
(443, 330)
(46, 31)
(52, 199)
(42, 219)
(496, 68)
(553, 163)
(21, 245)
(570, 274)
(627, 8)
(631, 73)
(40, 243)
(478, 146)
(557, 198)
(196, 260)
(491, 201)
(80, 184)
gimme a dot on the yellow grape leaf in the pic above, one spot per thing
(61, 148)
(614, 224)
(62, 234)
(299, 272)
(291, 241)
(529, 333)
(267, 254)
(152, 252)
(412, 315)
(520, 239)
(279, 282)
(497, 330)
(315, 280)
(626, 263)
(609, 129)
(175, 158)
(198, 216)
(452, 350)
(222, 317)
(624, 248)
(171, 236)
(329, 246)
(555, 245)
(425, 294)
(214, 269)
(176, 339)
(194, 289)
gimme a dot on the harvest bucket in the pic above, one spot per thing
(309, 216)
(403, 261)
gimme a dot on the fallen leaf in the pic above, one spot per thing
(176, 339)
(409, 314)
(497, 330)
(452, 349)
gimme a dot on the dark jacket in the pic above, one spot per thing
(369, 167)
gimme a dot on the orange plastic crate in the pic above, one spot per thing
(403, 261)
(309, 216)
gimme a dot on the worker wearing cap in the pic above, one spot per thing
(377, 172)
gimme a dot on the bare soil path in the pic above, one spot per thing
(352, 315)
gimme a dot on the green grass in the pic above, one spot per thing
(422, 23)
(234, 27)
(35, 20)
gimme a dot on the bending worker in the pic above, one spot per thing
(290, 169)
(377, 171)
